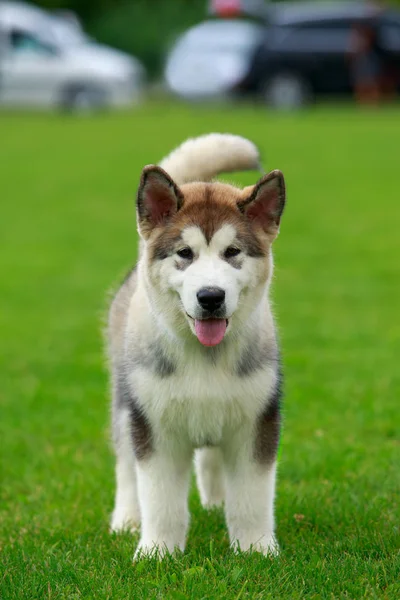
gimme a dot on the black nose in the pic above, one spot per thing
(211, 298)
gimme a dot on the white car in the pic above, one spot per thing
(211, 58)
(47, 61)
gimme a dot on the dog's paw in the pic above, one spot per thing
(145, 551)
(150, 551)
(122, 521)
(267, 546)
(155, 550)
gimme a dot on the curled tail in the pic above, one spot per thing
(204, 157)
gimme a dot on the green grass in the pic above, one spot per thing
(67, 235)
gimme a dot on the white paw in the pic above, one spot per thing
(154, 549)
(123, 520)
(267, 546)
(149, 550)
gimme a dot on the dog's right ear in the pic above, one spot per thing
(264, 206)
(158, 199)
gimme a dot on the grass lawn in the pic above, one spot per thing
(67, 236)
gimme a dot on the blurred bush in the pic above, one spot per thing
(145, 28)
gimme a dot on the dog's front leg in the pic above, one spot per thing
(249, 501)
(163, 484)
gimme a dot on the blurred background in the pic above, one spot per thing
(90, 92)
(75, 54)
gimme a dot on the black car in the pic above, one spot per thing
(296, 52)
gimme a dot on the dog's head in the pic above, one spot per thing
(207, 249)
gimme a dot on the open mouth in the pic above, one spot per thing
(210, 332)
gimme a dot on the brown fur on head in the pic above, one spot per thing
(255, 209)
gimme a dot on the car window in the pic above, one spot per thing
(23, 41)
(313, 39)
(326, 24)
(389, 35)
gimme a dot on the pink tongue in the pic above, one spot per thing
(210, 332)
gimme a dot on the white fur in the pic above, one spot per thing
(126, 515)
(204, 157)
(163, 485)
(250, 504)
(210, 476)
(209, 269)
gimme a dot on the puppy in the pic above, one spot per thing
(193, 350)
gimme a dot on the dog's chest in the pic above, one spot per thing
(202, 403)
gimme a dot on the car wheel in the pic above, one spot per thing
(83, 99)
(286, 91)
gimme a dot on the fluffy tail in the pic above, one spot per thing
(204, 157)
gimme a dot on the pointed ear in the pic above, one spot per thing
(158, 199)
(266, 203)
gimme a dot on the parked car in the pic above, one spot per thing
(46, 60)
(300, 50)
(212, 58)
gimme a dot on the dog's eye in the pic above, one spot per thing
(186, 253)
(231, 252)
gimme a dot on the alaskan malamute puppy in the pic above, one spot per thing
(194, 356)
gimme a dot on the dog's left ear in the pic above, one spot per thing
(265, 204)
(158, 199)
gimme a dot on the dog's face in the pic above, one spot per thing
(207, 249)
